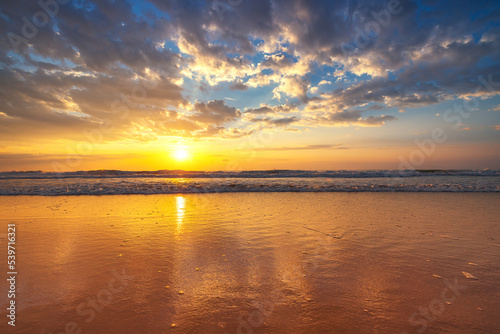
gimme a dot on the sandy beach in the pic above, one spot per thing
(256, 263)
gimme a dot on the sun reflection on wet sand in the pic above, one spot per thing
(180, 210)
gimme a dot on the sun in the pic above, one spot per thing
(181, 154)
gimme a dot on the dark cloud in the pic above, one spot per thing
(354, 117)
(261, 110)
(276, 121)
(238, 86)
(215, 112)
(272, 110)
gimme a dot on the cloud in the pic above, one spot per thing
(93, 62)
(214, 112)
(351, 117)
(292, 86)
(276, 121)
(302, 148)
(238, 86)
(265, 109)
(277, 61)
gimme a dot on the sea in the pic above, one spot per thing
(117, 182)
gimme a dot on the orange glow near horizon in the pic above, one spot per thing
(225, 155)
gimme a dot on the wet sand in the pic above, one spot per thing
(255, 263)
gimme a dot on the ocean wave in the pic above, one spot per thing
(246, 174)
(125, 186)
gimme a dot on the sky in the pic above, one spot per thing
(249, 84)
